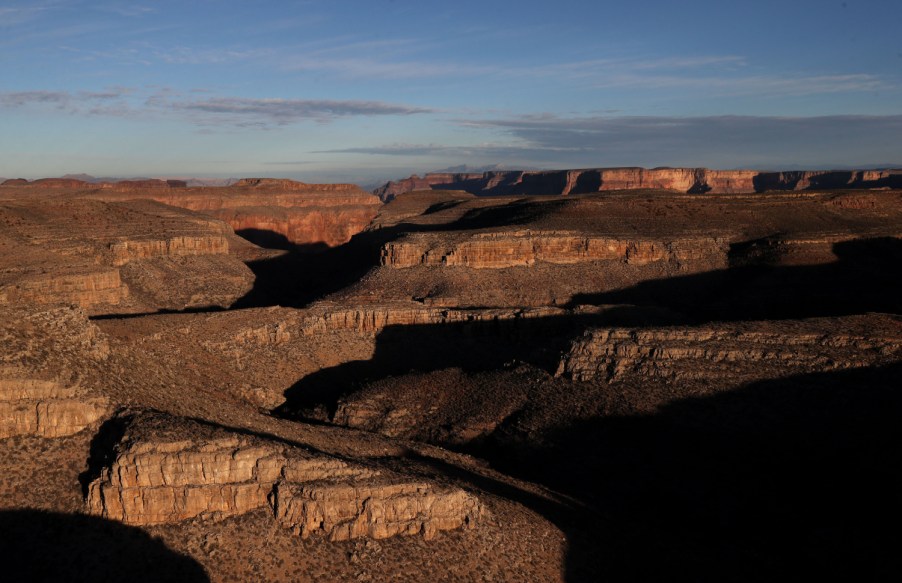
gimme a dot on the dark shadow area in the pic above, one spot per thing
(835, 180)
(39, 546)
(197, 310)
(471, 346)
(306, 273)
(272, 240)
(781, 479)
(103, 449)
(865, 278)
(588, 182)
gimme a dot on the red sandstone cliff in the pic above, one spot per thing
(690, 180)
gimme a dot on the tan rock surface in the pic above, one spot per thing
(116, 257)
(41, 392)
(209, 473)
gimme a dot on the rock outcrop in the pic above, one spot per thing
(687, 180)
(44, 408)
(39, 393)
(116, 257)
(326, 316)
(348, 511)
(524, 248)
(733, 353)
(166, 471)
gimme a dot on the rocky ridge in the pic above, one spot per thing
(738, 352)
(687, 180)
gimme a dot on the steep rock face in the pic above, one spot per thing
(102, 287)
(734, 352)
(44, 408)
(180, 246)
(371, 319)
(302, 225)
(523, 248)
(687, 180)
(165, 471)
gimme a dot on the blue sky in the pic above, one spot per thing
(362, 91)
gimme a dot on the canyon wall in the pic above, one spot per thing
(261, 208)
(687, 180)
(738, 353)
(524, 248)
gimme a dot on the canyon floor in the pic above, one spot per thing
(630, 385)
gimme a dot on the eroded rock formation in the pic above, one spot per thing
(524, 248)
(44, 408)
(116, 257)
(166, 471)
(688, 180)
(41, 393)
(734, 353)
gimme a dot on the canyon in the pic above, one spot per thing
(663, 371)
(686, 180)
(276, 210)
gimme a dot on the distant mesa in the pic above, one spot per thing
(686, 180)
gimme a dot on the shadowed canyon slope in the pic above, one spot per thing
(644, 385)
(687, 180)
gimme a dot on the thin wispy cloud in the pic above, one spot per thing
(25, 98)
(210, 112)
(201, 56)
(128, 9)
(291, 110)
(719, 141)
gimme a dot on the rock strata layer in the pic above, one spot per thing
(265, 209)
(116, 257)
(524, 248)
(165, 472)
(44, 408)
(40, 394)
(735, 352)
(687, 180)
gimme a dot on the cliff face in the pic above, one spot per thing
(687, 180)
(167, 471)
(515, 249)
(302, 213)
(729, 353)
(116, 257)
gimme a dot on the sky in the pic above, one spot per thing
(363, 91)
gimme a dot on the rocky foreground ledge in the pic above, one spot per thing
(166, 470)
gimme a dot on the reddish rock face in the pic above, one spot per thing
(304, 214)
(688, 180)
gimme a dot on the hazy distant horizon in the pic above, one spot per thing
(371, 183)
